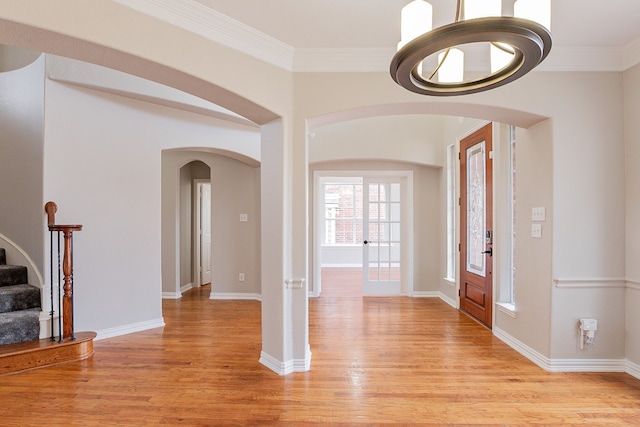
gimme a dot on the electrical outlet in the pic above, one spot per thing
(241, 277)
(536, 230)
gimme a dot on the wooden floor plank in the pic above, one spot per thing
(375, 361)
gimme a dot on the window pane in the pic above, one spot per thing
(476, 203)
(343, 202)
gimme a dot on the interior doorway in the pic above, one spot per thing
(360, 221)
(202, 232)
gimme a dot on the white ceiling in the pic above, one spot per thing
(361, 35)
(376, 23)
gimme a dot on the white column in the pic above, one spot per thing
(300, 247)
(285, 326)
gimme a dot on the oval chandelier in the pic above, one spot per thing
(519, 45)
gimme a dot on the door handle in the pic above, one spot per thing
(488, 251)
(366, 242)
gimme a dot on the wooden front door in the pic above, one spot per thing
(476, 219)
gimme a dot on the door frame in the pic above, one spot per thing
(406, 246)
(496, 135)
(196, 276)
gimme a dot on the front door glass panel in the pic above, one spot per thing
(476, 207)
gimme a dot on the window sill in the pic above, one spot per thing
(449, 280)
(507, 308)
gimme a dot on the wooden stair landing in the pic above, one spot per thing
(29, 355)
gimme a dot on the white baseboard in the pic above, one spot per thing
(130, 328)
(453, 303)
(303, 365)
(280, 368)
(341, 266)
(185, 288)
(171, 295)
(562, 365)
(45, 324)
(587, 365)
(288, 367)
(426, 294)
(225, 295)
(632, 369)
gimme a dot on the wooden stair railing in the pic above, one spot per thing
(69, 346)
(65, 320)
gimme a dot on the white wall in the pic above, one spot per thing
(411, 138)
(103, 168)
(341, 255)
(532, 284)
(632, 198)
(589, 216)
(21, 138)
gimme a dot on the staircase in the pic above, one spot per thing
(20, 309)
(19, 304)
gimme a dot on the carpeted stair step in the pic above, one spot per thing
(19, 326)
(11, 274)
(19, 297)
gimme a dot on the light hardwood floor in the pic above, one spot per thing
(375, 361)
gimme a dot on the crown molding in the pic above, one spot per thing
(212, 25)
(583, 59)
(206, 22)
(342, 60)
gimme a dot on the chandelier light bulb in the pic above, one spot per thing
(521, 45)
(535, 10)
(482, 8)
(416, 20)
(452, 66)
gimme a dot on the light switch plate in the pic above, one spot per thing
(244, 218)
(538, 214)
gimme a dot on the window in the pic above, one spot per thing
(452, 202)
(506, 187)
(510, 297)
(342, 213)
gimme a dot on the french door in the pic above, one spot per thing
(381, 233)
(476, 219)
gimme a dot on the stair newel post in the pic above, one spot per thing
(66, 328)
(67, 271)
